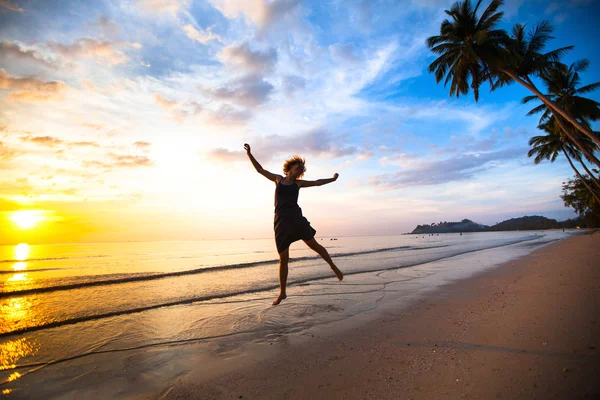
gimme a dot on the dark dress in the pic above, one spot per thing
(289, 223)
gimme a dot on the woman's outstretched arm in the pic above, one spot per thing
(269, 175)
(318, 182)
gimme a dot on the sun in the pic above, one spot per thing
(27, 218)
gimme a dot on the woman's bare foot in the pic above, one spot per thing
(338, 273)
(279, 299)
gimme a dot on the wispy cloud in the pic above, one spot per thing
(162, 7)
(11, 6)
(47, 141)
(258, 12)
(419, 171)
(241, 56)
(105, 52)
(316, 143)
(120, 161)
(177, 110)
(12, 50)
(249, 91)
(31, 89)
(105, 25)
(201, 36)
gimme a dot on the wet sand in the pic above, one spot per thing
(529, 328)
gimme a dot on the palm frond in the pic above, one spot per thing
(588, 88)
(538, 109)
(527, 99)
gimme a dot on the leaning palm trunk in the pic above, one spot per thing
(574, 139)
(579, 175)
(587, 170)
(553, 106)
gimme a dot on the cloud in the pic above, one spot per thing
(344, 53)
(241, 56)
(105, 25)
(511, 8)
(120, 161)
(47, 141)
(224, 155)
(421, 172)
(10, 6)
(162, 7)
(316, 142)
(102, 51)
(13, 50)
(30, 89)
(250, 91)
(142, 145)
(6, 153)
(559, 18)
(84, 144)
(552, 7)
(226, 115)
(291, 84)
(257, 12)
(163, 102)
(177, 111)
(200, 36)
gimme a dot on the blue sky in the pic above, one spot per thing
(137, 111)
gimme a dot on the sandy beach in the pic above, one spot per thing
(526, 329)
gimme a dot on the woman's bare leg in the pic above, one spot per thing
(322, 251)
(284, 257)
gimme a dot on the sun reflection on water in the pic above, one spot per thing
(22, 251)
(12, 351)
(18, 277)
(20, 266)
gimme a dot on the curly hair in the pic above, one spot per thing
(287, 166)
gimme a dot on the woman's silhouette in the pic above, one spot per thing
(289, 223)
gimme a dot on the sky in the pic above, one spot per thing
(126, 119)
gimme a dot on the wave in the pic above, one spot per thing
(148, 277)
(115, 313)
(51, 259)
(31, 270)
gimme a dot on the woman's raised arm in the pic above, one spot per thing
(318, 182)
(269, 175)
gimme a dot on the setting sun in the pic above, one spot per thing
(27, 218)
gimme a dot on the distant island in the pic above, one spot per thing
(527, 223)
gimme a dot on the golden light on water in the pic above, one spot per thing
(20, 266)
(18, 277)
(27, 218)
(14, 376)
(12, 351)
(15, 311)
(21, 251)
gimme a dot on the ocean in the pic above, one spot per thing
(65, 302)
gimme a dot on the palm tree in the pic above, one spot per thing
(555, 134)
(466, 45)
(562, 86)
(472, 51)
(549, 146)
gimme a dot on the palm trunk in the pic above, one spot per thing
(588, 171)
(580, 177)
(553, 106)
(574, 139)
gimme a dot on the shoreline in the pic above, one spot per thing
(523, 329)
(311, 321)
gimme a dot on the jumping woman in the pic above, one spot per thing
(289, 224)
